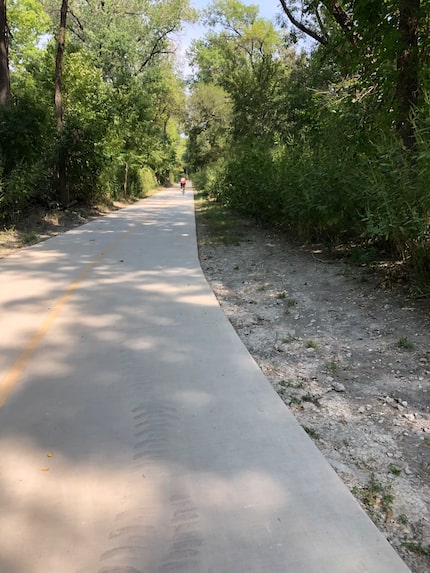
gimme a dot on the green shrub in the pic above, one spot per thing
(148, 180)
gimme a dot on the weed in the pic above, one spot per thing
(311, 432)
(405, 343)
(332, 367)
(291, 302)
(364, 255)
(417, 548)
(291, 384)
(288, 340)
(295, 401)
(281, 295)
(311, 398)
(311, 344)
(394, 470)
(261, 288)
(236, 267)
(403, 519)
(29, 238)
(376, 495)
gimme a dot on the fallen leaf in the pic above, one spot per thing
(45, 469)
(389, 516)
(50, 455)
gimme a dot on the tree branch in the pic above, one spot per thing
(343, 20)
(302, 27)
(80, 32)
(156, 48)
(80, 26)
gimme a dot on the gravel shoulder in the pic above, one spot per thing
(351, 361)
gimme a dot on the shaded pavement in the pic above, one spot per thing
(137, 435)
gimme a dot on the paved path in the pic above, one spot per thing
(137, 435)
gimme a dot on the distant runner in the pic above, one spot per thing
(183, 182)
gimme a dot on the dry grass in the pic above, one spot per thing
(41, 224)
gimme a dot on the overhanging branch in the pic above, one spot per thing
(302, 27)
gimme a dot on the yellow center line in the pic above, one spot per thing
(12, 376)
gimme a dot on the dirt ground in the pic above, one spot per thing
(350, 360)
(40, 225)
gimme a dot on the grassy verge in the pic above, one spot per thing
(217, 224)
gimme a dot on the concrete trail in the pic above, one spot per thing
(137, 435)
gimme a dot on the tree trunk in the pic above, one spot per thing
(407, 70)
(125, 184)
(5, 96)
(63, 190)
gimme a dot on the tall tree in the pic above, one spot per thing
(242, 53)
(208, 125)
(381, 34)
(407, 60)
(28, 24)
(5, 95)
(61, 167)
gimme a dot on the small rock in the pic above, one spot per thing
(409, 416)
(330, 379)
(338, 387)
(361, 410)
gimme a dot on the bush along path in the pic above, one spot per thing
(351, 361)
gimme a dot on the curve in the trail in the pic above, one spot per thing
(139, 436)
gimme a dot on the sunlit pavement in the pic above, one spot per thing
(137, 435)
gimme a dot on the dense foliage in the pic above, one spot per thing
(332, 142)
(121, 101)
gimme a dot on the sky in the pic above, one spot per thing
(268, 9)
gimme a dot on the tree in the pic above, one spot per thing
(28, 23)
(5, 95)
(208, 123)
(111, 118)
(128, 42)
(384, 42)
(245, 57)
(408, 69)
(58, 98)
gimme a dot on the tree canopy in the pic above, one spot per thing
(118, 101)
